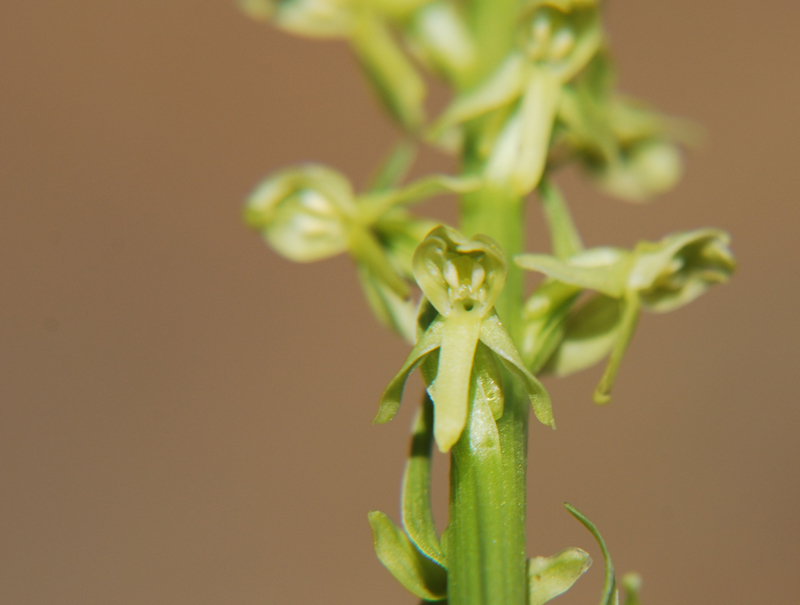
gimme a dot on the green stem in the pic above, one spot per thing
(486, 558)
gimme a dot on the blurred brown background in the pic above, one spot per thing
(185, 416)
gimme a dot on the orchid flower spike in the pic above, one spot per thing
(658, 277)
(461, 279)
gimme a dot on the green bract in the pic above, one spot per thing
(461, 278)
(656, 276)
(310, 212)
(556, 40)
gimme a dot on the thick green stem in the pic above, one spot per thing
(486, 558)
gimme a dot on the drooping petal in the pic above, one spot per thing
(450, 389)
(494, 335)
(627, 325)
(430, 340)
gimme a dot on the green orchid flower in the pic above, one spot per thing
(310, 212)
(630, 150)
(557, 39)
(657, 277)
(461, 279)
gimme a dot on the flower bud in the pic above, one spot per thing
(303, 212)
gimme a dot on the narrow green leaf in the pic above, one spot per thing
(494, 335)
(417, 514)
(630, 316)
(610, 593)
(430, 340)
(416, 572)
(549, 577)
(450, 389)
(564, 235)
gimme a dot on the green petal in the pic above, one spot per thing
(416, 499)
(416, 572)
(610, 593)
(494, 335)
(602, 269)
(393, 76)
(630, 316)
(430, 340)
(589, 336)
(549, 577)
(450, 389)
(564, 235)
(501, 88)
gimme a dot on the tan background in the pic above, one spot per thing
(185, 416)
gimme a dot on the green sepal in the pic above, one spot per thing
(394, 78)
(549, 577)
(494, 335)
(429, 341)
(417, 514)
(588, 337)
(450, 388)
(630, 316)
(610, 593)
(314, 18)
(499, 89)
(566, 241)
(416, 572)
(520, 152)
(602, 269)
(632, 584)
(395, 312)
